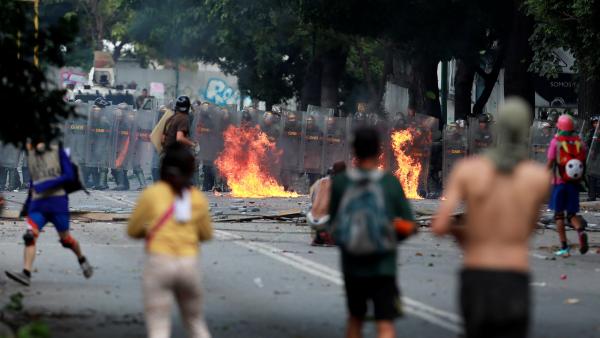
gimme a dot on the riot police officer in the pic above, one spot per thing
(483, 137)
(97, 146)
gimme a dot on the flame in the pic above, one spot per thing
(381, 160)
(409, 168)
(244, 162)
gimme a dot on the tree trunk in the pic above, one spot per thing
(463, 89)
(311, 85)
(98, 24)
(117, 51)
(424, 93)
(518, 81)
(490, 78)
(588, 103)
(334, 63)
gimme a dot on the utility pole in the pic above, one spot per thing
(444, 92)
(36, 27)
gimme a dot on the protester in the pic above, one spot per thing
(50, 170)
(177, 127)
(173, 218)
(319, 214)
(503, 192)
(566, 160)
(369, 215)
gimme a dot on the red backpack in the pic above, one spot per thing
(570, 158)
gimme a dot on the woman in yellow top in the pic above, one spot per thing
(173, 217)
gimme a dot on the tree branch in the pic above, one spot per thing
(490, 80)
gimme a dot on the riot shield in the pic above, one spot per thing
(593, 159)
(481, 136)
(98, 137)
(540, 136)
(9, 155)
(313, 128)
(74, 133)
(207, 131)
(143, 150)
(410, 141)
(455, 146)
(322, 111)
(381, 124)
(291, 142)
(123, 137)
(336, 142)
(249, 117)
(271, 124)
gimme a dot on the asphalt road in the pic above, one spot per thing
(262, 279)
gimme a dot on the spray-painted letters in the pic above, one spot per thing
(220, 93)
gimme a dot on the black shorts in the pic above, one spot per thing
(494, 303)
(382, 291)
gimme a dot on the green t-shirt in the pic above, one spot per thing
(398, 207)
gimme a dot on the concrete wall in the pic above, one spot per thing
(205, 84)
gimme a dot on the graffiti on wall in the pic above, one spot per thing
(218, 92)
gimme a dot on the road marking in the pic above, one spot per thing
(538, 256)
(123, 200)
(441, 318)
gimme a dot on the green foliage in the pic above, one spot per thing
(437, 29)
(573, 25)
(260, 42)
(37, 108)
(34, 330)
(16, 302)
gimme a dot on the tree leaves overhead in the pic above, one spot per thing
(570, 24)
(260, 42)
(37, 107)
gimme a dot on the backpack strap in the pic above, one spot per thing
(161, 222)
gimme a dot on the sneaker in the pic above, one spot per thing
(322, 238)
(583, 243)
(562, 253)
(87, 269)
(18, 277)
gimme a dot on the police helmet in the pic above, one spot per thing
(101, 102)
(183, 104)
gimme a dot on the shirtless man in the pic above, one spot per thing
(503, 193)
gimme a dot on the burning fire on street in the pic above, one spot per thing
(409, 168)
(245, 163)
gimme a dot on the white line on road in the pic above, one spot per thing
(441, 318)
(538, 256)
(123, 200)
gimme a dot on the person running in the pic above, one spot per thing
(50, 170)
(318, 215)
(566, 160)
(173, 217)
(369, 215)
(503, 192)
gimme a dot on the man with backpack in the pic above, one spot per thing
(369, 216)
(53, 177)
(566, 159)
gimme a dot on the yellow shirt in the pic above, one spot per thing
(173, 238)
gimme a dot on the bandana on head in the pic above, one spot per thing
(512, 130)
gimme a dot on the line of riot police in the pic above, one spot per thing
(105, 139)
